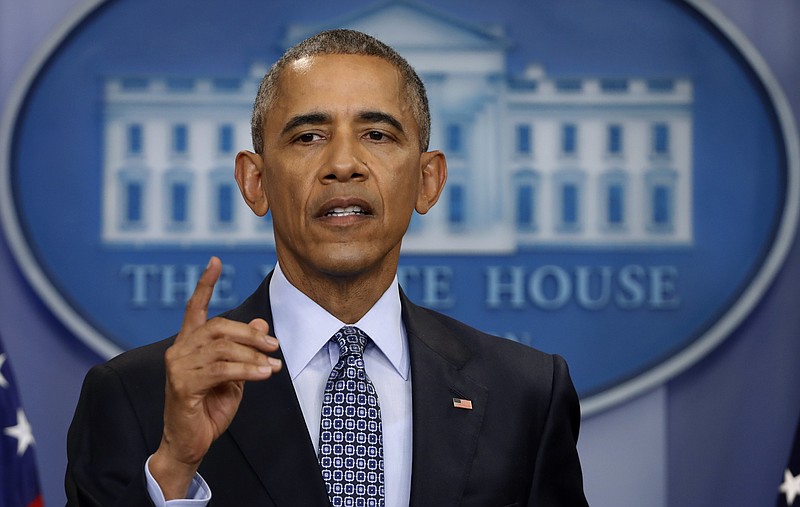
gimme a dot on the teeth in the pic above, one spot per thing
(344, 212)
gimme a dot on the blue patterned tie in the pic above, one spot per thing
(350, 434)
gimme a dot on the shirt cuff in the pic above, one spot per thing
(198, 495)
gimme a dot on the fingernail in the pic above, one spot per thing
(209, 263)
(274, 361)
(271, 340)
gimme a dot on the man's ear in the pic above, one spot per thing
(433, 167)
(248, 173)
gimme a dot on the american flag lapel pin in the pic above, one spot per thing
(462, 403)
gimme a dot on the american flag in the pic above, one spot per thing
(462, 403)
(789, 489)
(19, 483)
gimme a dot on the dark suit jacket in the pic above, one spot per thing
(515, 447)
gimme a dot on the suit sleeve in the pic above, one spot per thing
(106, 446)
(558, 481)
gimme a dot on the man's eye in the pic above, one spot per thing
(307, 138)
(376, 136)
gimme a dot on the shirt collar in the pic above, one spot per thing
(303, 327)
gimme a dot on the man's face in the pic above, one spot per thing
(342, 171)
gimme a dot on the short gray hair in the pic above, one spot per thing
(342, 42)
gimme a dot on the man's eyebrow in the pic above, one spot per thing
(381, 117)
(305, 119)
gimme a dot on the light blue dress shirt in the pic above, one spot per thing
(304, 330)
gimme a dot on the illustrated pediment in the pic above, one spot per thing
(432, 30)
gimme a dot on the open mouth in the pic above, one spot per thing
(346, 212)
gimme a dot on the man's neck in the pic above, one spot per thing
(347, 297)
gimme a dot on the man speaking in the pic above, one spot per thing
(369, 399)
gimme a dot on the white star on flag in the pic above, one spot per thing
(22, 432)
(790, 486)
(3, 381)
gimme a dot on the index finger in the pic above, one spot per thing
(196, 312)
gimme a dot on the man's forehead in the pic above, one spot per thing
(368, 81)
(310, 64)
(302, 64)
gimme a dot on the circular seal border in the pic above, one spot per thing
(595, 403)
(9, 219)
(784, 237)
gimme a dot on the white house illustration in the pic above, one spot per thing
(534, 160)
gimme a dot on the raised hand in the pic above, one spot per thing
(206, 370)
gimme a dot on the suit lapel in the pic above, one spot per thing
(444, 437)
(270, 431)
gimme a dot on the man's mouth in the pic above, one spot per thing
(346, 212)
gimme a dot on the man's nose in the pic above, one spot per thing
(345, 160)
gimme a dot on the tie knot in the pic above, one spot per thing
(351, 341)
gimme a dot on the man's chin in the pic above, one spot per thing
(355, 262)
(348, 267)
